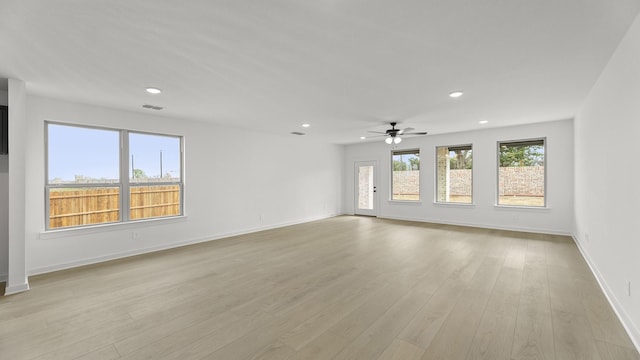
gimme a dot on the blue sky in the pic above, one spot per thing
(95, 153)
(146, 149)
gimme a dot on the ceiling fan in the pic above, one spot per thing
(392, 135)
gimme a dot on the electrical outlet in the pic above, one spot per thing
(135, 235)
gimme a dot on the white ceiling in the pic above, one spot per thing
(344, 66)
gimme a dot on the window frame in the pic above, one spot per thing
(544, 147)
(436, 201)
(124, 184)
(402, 152)
(132, 184)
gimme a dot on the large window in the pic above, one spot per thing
(454, 178)
(405, 170)
(521, 173)
(94, 173)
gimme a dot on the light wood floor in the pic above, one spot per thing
(342, 288)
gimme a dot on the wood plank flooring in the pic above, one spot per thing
(342, 288)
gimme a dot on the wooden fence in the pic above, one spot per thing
(84, 206)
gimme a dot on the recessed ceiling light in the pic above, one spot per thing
(152, 90)
(362, 137)
(456, 94)
(483, 121)
(306, 125)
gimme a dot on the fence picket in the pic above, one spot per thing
(101, 205)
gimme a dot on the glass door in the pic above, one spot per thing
(365, 188)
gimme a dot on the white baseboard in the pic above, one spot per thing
(618, 309)
(125, 254)
(15, 289)
(481, 226)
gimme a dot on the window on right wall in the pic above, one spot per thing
(521, 173)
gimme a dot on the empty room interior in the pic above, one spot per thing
(319, 180)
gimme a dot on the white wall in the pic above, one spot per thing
(296, 179)
(557, 218)
(607, 179)
(4, 203)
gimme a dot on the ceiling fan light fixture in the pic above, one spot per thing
(392, 135)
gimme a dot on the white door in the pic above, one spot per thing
(366, 196)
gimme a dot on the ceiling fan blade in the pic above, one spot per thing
(405, 130)
(372, 136)
(416, 133)
(378, 132)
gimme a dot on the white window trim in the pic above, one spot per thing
(522, 207)
(454, 204)
(405, 202)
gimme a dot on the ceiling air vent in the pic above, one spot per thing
(297, 133)
(153, 107)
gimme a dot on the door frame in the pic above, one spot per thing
(356, 166)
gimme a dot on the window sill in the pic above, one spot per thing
(517, 207)
(118, 226)
(453, 204)
(405, 202)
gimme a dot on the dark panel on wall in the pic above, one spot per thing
(4, 130)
